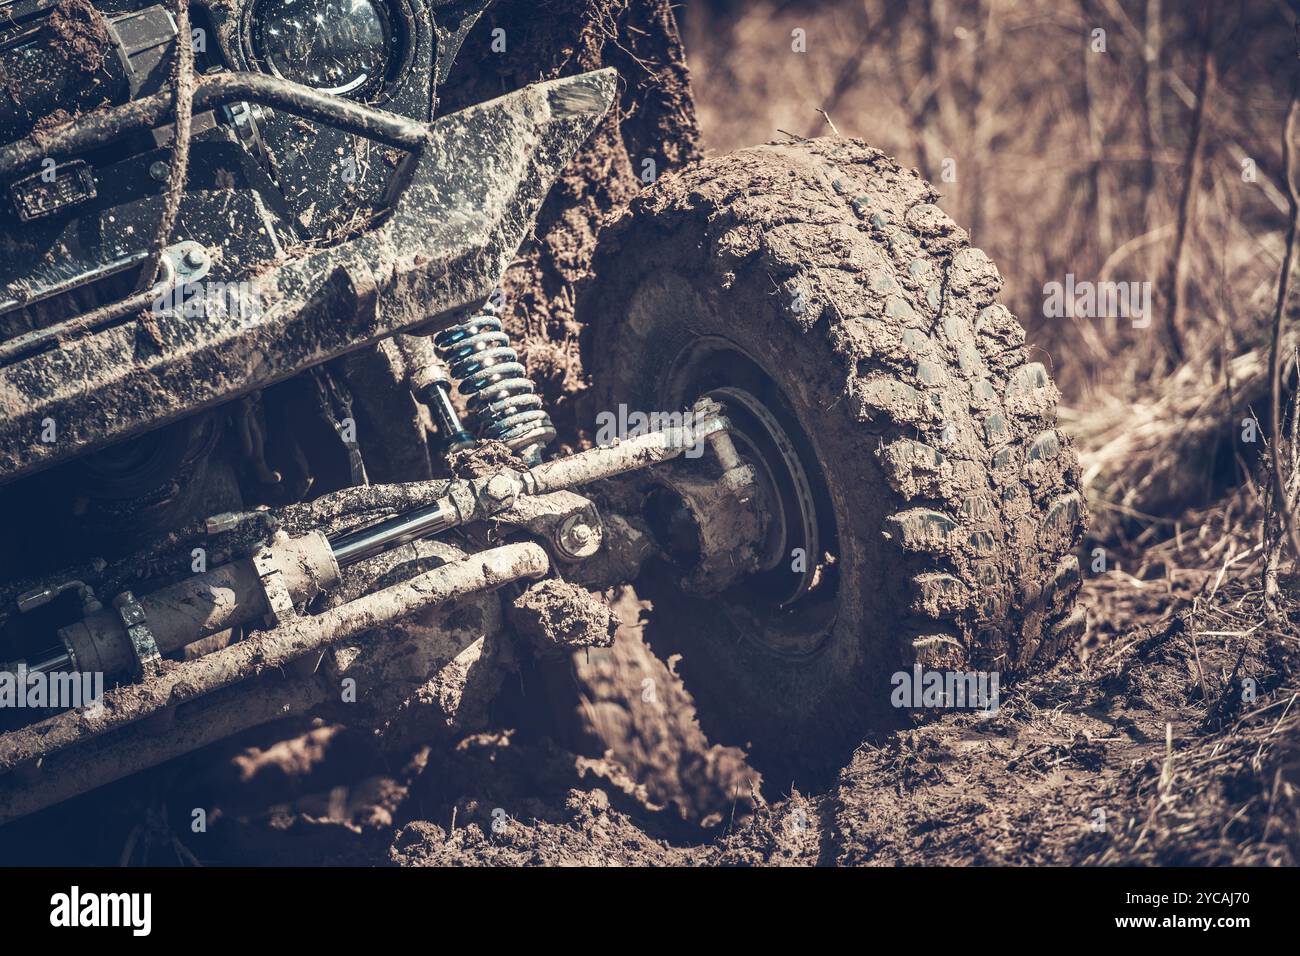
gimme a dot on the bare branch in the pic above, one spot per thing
(1281, 500)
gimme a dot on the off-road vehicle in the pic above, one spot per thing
(268, 446)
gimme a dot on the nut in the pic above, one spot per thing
(577, 538)
(500, 488)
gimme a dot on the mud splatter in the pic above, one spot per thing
(556, 616)
(78, 32)
(484, 458)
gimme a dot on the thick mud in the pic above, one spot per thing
(556, 617)
(78, 33)
(1146, 750)
(1164, 742)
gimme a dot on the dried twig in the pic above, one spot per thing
(829, 122)
(1177, 268)
(1281, 500)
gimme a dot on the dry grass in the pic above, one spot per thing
(1231, 800)
(1228, 792)
(1147, 459)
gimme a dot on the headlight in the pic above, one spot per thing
(348, 47)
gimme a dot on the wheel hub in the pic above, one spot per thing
(755, 523)
(792, 543)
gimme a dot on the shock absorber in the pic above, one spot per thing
(431, 384)
(502, 403)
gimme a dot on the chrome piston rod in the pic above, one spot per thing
(366, 543)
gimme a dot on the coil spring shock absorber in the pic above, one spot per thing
(502, 402)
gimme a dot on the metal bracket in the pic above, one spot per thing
(569, 521)
(278, 599)
(143, 645)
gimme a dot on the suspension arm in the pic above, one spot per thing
(469, 500)
(273, 649)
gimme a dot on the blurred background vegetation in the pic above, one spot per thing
(1150, 151)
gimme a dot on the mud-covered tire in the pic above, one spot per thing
(956, 500)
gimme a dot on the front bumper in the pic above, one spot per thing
(471, 190)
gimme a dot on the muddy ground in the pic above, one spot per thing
(1170, 737)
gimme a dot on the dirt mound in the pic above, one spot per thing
(1114, 761)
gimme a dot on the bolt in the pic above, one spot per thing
(196, 257)
(500, 487)
(577, 539)
(159, 170)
